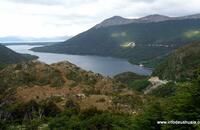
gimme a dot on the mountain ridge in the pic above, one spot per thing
(118, 20)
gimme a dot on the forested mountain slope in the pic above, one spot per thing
(181, 64)
(139, 42)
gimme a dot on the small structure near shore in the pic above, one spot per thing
(141, 65)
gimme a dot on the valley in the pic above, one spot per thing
(37, 95)
(154, 37)
(121, 74)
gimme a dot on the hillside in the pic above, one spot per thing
(7, 56)
(35, 95)
(139, 42)
(133, 81)
(34, 83)
(181, 64)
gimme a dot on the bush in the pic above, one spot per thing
(71, 104)
(92, 119)
(129, 100)
(139, 85)
(166, 90)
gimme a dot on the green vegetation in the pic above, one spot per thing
(180, 65)
(96, 102)
(86, 79)
(35, 95)
(27, 115)
(129, 100)
(7, 56)
(180, 104)
(152, 43)
(139, 85)
(30, 74)
(165, 90)
(2, 66)
(133, 81)
(91, 119)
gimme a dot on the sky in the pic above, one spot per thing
(60, 19)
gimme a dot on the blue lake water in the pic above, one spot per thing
(106, 66)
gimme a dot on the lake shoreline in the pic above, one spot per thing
(107, 66)
(151, 68)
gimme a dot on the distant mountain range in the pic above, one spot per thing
(15, 39)
(145, 40)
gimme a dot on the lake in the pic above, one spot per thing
(106, 66)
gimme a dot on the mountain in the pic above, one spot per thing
(62, 96)
(7, 56)
(11, 39)
(181, 64)
(195, 16)
(143, 41)
(115, 20)
(153, 18)
(118, 20)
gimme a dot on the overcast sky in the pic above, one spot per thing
(58, 18)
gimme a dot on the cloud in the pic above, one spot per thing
(43, 2)
(55, 18)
